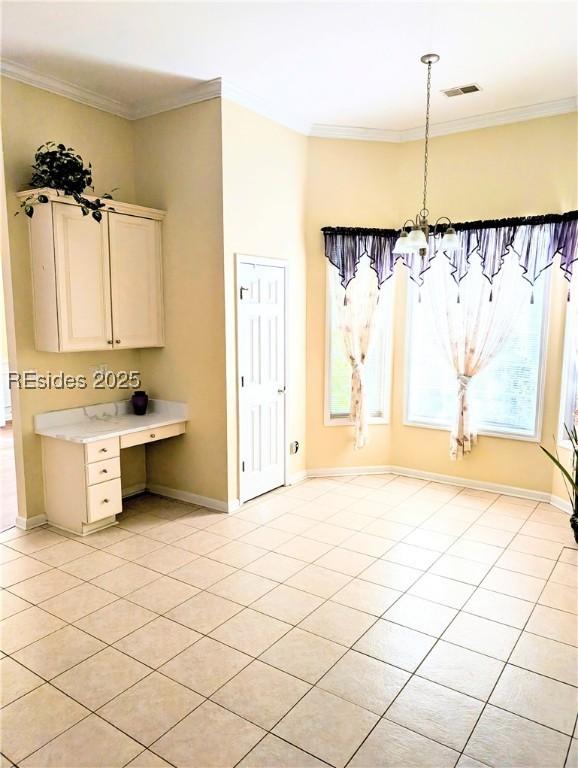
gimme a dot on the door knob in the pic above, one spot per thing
(109, 341)
(117, 341)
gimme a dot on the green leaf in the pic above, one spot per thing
(42, 199)
(84, 210)
(97, 216)
(29, 211)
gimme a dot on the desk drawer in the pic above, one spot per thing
(151, 435)
(102, 449)
(104, 500)
(100, 471)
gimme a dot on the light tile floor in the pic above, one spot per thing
(364, 621)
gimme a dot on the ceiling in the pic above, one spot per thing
(320, 64)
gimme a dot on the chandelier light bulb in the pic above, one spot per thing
(401, 244)
(450, 241)
(417, 239)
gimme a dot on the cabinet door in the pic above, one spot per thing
(136, 279)
(82, 279)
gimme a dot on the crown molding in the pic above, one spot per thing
(220, 88)
(260, 106)
(203, 91)
(502, 117)
(359, 134)
(63, 88)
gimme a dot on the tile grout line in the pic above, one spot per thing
(487, 703)
(414, 674)
(352, 578)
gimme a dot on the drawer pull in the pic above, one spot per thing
(105, 501)
(104, 450)
(153, 434)
(104, 471)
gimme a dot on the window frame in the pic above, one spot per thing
(536, 436)
(386, 389)
(567, 363)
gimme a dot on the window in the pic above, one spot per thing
(378, 365)
(569, 395)
(506, 395)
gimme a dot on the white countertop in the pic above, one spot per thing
(98, 422)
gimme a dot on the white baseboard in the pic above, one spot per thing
(478, 485)
(133, 490)
(339, 471)
(26, 523)
(232, 506)
(194, 498)
(297, 477)
(562, 504)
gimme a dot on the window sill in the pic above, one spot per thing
(482, 432)
(565, 444)
(343, 421)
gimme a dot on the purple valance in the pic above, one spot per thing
(536, 241)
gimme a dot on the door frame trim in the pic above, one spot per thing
(264, 261)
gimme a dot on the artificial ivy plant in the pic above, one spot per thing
(62, 168)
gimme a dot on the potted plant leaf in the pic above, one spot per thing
(570, 478)
(62, 168)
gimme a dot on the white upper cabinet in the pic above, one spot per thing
(82, 269)
(136, 280)
(96, 285)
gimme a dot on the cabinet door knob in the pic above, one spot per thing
(117, 341)
(153, 434)
(104, 471)
(105, 501)
(109, 341)
(104, 450)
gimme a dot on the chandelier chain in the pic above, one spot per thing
(426, 149)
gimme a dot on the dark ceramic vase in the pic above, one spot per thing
(140, 401)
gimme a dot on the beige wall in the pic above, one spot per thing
(519, 169)
(29, 118)
(235, 182)
(349, 183)
(264, 175)
(179, 168)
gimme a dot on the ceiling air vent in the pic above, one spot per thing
(462, 90)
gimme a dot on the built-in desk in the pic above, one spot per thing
(81, 457)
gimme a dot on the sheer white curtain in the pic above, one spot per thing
(472, 322)
(573, 309)
(356, 315)
(572, 328)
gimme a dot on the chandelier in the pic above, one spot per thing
(414, 235)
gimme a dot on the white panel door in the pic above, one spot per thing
(136, 278)
(261, 370)
(82, 279)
